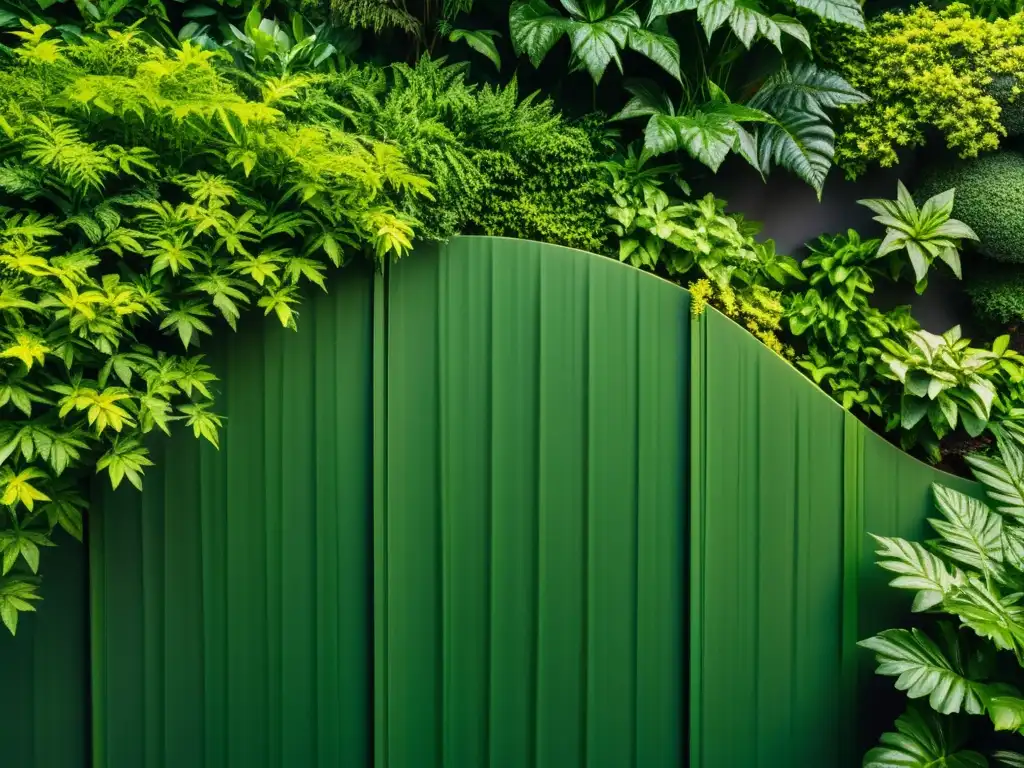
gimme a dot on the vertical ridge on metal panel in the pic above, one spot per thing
(768, 607)
(44, 706)
(381, 679)
(535, 463)
(232, 597)
(853, 540)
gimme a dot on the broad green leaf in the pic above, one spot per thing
(989, 614)
(658, 46)
(921, 669)
(805, 87)
(971, 532)
(801, 143)
(535, 27)
(916, 569)
(841, 11)
(1003, 476)
(1007, 713)
(481, 41)
(923, 740)
(661, 8)
(595, 44)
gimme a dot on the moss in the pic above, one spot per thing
(997, 295)
(990, 199)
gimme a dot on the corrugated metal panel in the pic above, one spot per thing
(232, 616)
(889, 494)
(768, 525)
(536, 422)
(44, 694)
(785, 488)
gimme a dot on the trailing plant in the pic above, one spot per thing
(957, 673)
(755, 307)
(147, 199)
(925, 234)
(989, 190)
(924, 69)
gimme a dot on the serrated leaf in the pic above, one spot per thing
(535, 27)
(971, 532)
(595, 44)
(918, 569)
(661, 48)
(922, 670)
(801, 143)
(841, 11)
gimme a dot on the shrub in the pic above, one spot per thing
(924, 70)
(997, 295)
(145, 196)
(989, 199)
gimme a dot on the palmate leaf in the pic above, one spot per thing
(595, 44)
(922, 669)
(535, 27)
(748, 21)
(971, 532)
(923, 740)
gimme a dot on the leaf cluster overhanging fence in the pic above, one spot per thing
(452, 523)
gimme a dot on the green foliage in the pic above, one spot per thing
(946, 383)
(499, 165)
(841, 331)
(926, 234)
(792, 126)
(997, 295)
(989, 192)
(597, 33)
(924, 69)
(974, 573)
(147, 198)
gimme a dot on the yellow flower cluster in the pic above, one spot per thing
(925, 70)
(757, 308)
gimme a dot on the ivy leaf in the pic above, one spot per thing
(481, 41)
(535, 27)
(921, 669)
(923, 740)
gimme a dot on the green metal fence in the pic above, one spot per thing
(462, 520)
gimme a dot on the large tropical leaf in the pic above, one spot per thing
(800, 142)
(804, 87)
(595, 44)
(708, 134)
(535, 27)
(971, 532)
(658, 45)
(923, 740)
(749, 21)
(917, 569)
(661, 8)
(481, 41)
(922, 669)
(842, 11)
(1003, 476)
(991, 615)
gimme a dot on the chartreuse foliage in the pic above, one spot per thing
(147, 200)
(957, 672)
(924, 70)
